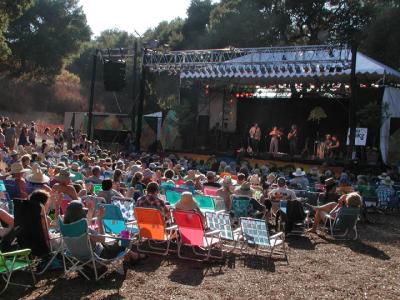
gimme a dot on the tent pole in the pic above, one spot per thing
(91, 99)
(353, 99)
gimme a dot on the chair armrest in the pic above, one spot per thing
(174, 227)
(131, 223)
(23, 252)
(214, 232)
(276, 235)
(220, 211)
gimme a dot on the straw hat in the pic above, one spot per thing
(186, 202)
(64, 174)
(191, 175)
(147, 173)
(254, 179)
(271, 178)
(75, 167)
(37, 175)
(244, 189)
(299, 172)
(387, 181)
(17, 168)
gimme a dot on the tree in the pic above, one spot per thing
(168, 34)
(194, 29)
(45, 36)
(9, 10)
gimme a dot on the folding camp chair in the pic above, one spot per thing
(96, 188)
(126, 205)
(241, 207)
(172, 197)
(222, 222)
(192, 234)
(114, 222)
(210, 191)
(255, 234)
(346, 220)
(205, 203)
(30, 233)
(152, 228)
(15, 261)
(80, 253)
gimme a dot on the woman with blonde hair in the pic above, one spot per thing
(352, 200)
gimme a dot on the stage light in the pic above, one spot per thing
(237, 95)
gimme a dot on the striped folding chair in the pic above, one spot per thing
(255, 234)
(222, 222)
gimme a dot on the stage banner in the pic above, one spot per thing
(394, 142)
(361, 137)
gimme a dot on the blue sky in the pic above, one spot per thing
(131, 15)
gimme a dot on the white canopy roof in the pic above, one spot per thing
(292, 63)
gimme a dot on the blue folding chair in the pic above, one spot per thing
(346, 220)
(172, 197)
(222, 222)
(114, 222)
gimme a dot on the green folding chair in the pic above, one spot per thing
(205, 203)
(15, 261)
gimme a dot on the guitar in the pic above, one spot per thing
(292, 135)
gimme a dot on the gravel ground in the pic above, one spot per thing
(318, 267)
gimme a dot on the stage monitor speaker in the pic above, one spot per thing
(114, 75)
(110, 136)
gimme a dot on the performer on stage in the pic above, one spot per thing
(334, 147)
(292, 137)
(255, 137)
(275, 134)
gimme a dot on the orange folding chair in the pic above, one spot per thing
(152, 228)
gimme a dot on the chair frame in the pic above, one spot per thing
(227, 227)
(332, 223)
(24, 254)
(258, 248)
(94, 259)
(169, 232)
(214, 234)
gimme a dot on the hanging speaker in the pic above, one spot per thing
(114, 75)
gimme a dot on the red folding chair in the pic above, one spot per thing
(192, 234)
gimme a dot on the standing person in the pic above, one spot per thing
(292, 137)
(275, 134)
(23, 136)
(32, 135)
(70, 137)
(11, 136)
(2, 139)
(255, 137)
(56, 136)
(334, 147)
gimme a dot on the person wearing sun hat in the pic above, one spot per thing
(17, 174)
(187, 203)
(75, 171)
(385, 191)
(225, 191)
(37, 180)
(64, 184)
(300, 179)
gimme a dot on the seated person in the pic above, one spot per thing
(151, 200)
(364, 188)
(211, 180)
(75, 212)
(107, 191)
(17, 174)
(187, 203)
(332, 208)
(75, 170)
(225, 191)
(246, 190)
(385, 191)
(7, 222)
(65, 186)
(330, 192)
(300, 179)
(282, 192)
(344, 186)
(95, 177)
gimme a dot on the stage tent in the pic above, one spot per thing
(282, 65)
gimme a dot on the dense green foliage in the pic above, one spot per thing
(41, 39)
